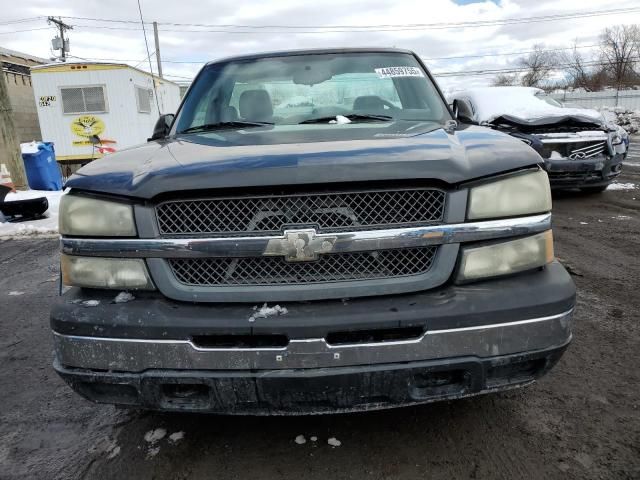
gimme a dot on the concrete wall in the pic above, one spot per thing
(629, 99)
(25, 115)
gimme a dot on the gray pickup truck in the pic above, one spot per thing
(312, 232)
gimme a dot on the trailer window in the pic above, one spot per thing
(143, 98)
(83, 99)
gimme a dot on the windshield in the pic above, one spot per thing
(312, 88)
(550, 100)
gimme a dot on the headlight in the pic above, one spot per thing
(92, 217)
(113, 273)
(506, 257)
(517, 195)
(616, 139)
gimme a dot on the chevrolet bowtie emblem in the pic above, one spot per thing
(300, 245)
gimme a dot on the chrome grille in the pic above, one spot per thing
(216, 272)
(328, 212)
(577, 150)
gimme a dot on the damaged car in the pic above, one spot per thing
(579, 147)
(310, 233)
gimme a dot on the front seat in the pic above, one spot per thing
(255, 105)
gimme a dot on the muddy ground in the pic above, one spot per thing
(581, 421)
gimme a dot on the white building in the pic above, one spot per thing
(90, 109)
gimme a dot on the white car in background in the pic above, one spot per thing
(580, 148)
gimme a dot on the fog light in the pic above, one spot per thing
(506, 257)
(113, 273)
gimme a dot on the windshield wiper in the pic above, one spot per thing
(351, 116)
(208, 127)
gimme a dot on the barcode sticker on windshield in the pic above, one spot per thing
(392, 72)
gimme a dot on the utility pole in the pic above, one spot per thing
(63, 28)
(155, 34)
(8, 137)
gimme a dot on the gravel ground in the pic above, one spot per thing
(580, 421)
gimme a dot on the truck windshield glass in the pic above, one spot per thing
(312, 89)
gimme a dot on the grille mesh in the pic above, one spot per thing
(211, 272)
(585, 149)
(330, 212)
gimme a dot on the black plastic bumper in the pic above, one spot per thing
(312, 391)
(454, 341)
(591, 172)
(151, 316)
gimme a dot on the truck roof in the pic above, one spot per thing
(312, 51)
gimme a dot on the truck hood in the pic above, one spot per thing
(282, 155)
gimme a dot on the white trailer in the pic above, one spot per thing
(91, 109)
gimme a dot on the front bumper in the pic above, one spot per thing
(590, 172)
(151, 352)
(312, 391)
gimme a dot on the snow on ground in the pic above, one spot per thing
(124, 297)
(153, 436)
(626, 118)
(43, 227)
(175, 437)
(334, 442)
(622, 186)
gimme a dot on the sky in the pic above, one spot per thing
(267, 25)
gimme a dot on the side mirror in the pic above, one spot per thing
(162, 127)
(462, 111)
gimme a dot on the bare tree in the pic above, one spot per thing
(576, 70)
(538, 65)
(619, 53)
(504, 80)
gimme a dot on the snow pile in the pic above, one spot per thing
(518, 102)
(334, 442)
(175, 437)
(45, 226)
(266, 311)
(622, 186)
(124, 297)
(29, 148)
(626, 118)
(154, 436)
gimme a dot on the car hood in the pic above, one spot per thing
(577, 118)
(273, 156)
(520, 106)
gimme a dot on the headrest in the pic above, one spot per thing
(255, 105)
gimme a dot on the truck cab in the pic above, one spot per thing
(311, 233)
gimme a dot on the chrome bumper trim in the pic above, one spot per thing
(339, 242)
(137, 355)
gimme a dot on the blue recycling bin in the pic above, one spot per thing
(42, 169)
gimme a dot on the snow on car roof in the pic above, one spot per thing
(517, 103)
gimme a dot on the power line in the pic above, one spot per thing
(514, 53)
(459, 73)
(22, 20)
(21, 31)
(496, 54)
(296, 29)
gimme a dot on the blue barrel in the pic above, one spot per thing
(42, 169)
